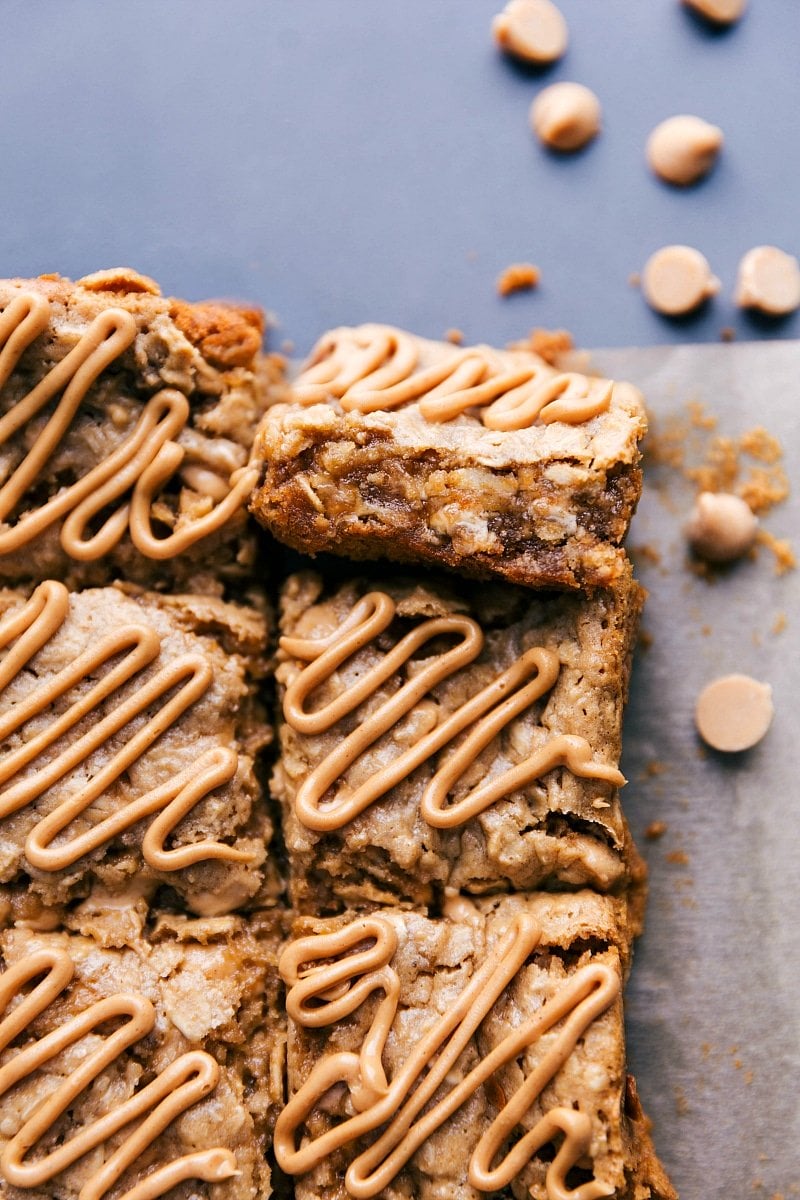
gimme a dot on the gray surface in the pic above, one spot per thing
(342, 160)
(714, 991)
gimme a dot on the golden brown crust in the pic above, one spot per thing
(227, 335)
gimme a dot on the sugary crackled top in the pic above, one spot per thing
(492, 407)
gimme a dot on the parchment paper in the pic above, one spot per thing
(713, 1007)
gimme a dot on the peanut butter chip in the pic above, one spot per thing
(768, 279)
(734, 712)
(566, 116)
(677, 279)
(721, 527)
(724, 12)
(533, 30)
(683, 149)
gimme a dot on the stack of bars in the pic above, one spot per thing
(382, 953)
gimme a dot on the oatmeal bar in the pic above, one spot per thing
(434, 738)
(478, 1052)
(130, 727)
(183, 1029)
(126, 427)
(489, 462)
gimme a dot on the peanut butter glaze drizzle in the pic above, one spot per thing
(330, 975)
(175, 687)
(485, 715)
(377, 367)
(178, 1086)
(138, 469)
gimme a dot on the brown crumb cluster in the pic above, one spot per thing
(719, 463)
(655, 830)
(750, 466)
(518, 277)
(785, 558)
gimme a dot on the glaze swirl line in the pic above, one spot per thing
(124, 654)
(329, 976)
(480, 719)
(377, 367)
(124, 491)
(175, 1088)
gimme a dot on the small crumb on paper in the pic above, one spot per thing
(655, 830)
(785, 559)
(518, 277)
(455, 336)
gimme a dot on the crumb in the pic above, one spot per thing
(779, 624)
(635, 279)
(763, 489)
(757, 638)
(706, 1049)
(654, 767)
(733, 1050)
(782, 549)
(761, 444)
(550, 344)
(600, 804)
(681, 1103)
(287, 345)
(518, 277)
(648, 553)
(714, 464)
(645, 640)
(455, 336)
(679, 857)
(748, 1077)
(700, 417)
(738, 1064)
(655, 830)
(706, 630)
(727, 334)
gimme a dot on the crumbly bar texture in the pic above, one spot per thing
(544, 505)
(132, 729)
(575, 949)
(167, 394)
(556, 831)
(214, 990)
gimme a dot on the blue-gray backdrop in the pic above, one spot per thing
(350, 160)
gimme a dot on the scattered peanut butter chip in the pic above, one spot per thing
(677, 279)
(768, 279)
(722, 527)
(566, 116)
(734, 712)
(533, 30)
(723, 12)
(518, 277)
(683, 149)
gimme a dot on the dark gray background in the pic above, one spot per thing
(350, 160)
